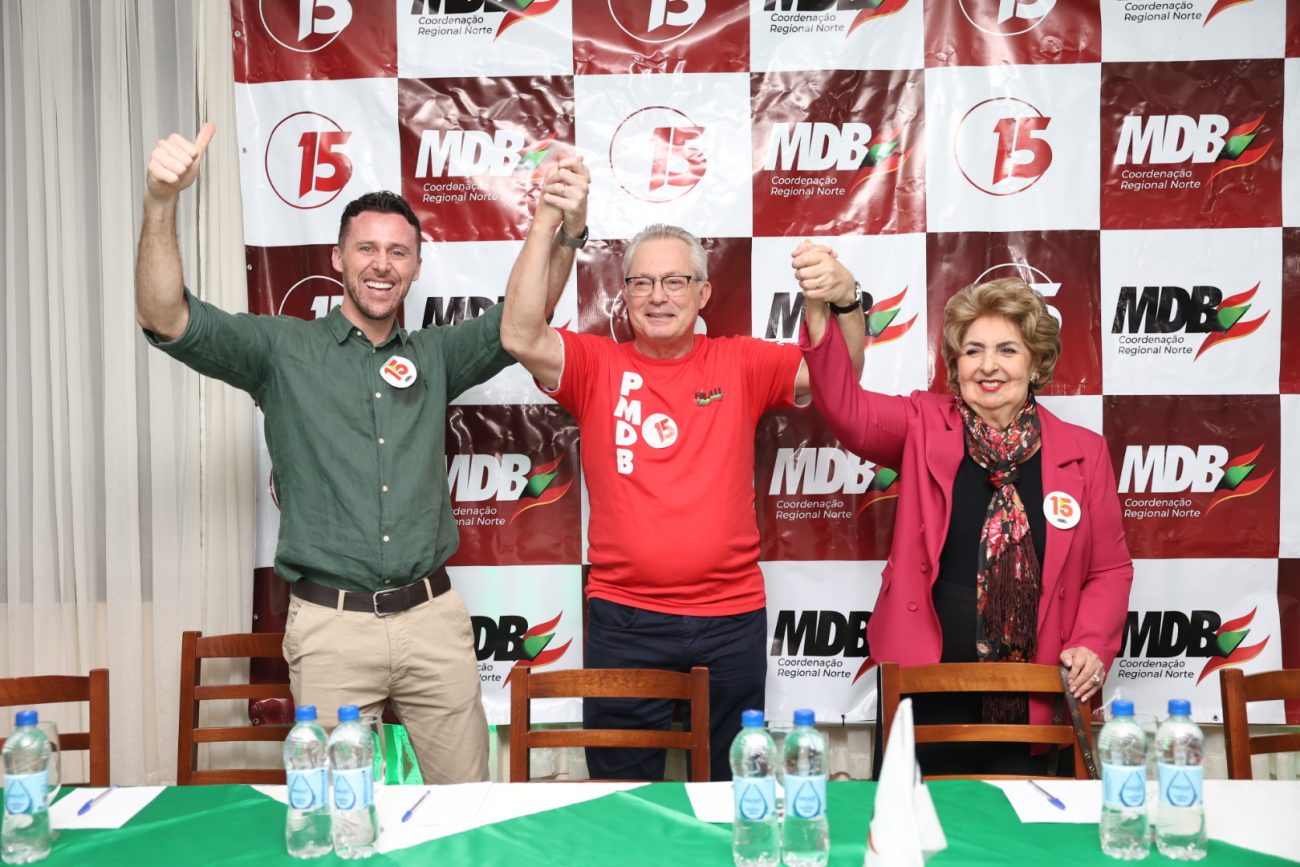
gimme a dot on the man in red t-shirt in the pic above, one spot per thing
(667, 429)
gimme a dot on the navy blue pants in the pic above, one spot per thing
(734, 648)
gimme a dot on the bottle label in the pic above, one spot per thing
(307, 788)
(805, 797)
(1123, 785)
(354, 789)
(1180, 785)
(25, 793)
(755, 798)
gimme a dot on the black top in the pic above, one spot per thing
(971, 492)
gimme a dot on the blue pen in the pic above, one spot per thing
(406, 817)
(85, 808)
(1051, 799)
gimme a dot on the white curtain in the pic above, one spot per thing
(127, 479)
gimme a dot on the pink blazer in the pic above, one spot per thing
(1087, 570)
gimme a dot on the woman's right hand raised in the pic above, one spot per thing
(174, 164)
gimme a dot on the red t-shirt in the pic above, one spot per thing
(668, 459)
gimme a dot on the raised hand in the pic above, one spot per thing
(564, 195)
(174, 163)
(820, 274)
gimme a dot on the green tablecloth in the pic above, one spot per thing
(652, 825)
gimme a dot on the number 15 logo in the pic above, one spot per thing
(316, 24)
(305, 160)
(1003, 140)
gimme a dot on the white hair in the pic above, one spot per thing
(658, 231)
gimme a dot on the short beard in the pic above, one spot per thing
(351, 287)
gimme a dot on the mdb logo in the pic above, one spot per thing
(806, 639)
(815, 146)
(1167, 310)
(510, 478)
(509, 638)
(1177, 138)
(788, 308)
(1200, 634)
(868, 10)
(434, 12)
(1167, 469)
(471, 153)
(454, 309)
(819, 471)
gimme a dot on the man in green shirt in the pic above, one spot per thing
(355, 424)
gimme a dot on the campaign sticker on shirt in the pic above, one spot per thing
(398, 372)
(659, 431)
(1061, 509)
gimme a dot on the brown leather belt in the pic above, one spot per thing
(381, 603)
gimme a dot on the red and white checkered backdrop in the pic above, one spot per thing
(1127, 157)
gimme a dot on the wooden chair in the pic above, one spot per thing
(982, 677)
(1237, 689)
(195, 648)
(54, 689)
(609, 683)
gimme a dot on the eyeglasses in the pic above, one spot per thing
(674, 284)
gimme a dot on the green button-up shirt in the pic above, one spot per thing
(359, 467)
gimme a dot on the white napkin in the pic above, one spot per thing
(905, 829)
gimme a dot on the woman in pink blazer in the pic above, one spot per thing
(1008, 543)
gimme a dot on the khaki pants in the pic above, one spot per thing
(421, 661)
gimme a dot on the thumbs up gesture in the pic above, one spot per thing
(174, 163)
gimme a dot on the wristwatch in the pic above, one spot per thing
(841, 309)
(570, 241)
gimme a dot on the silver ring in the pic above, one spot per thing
(1096, 677)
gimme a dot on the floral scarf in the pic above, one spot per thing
(1009, 580)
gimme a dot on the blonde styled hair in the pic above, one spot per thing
(1016, 300)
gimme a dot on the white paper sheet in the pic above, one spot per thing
(446, 810)
(512, 800)
(1082, 799)
(114, 811)
(278, 793)
(712, 802)
(1255, 815)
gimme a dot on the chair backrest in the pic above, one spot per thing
(897, 682)
(57, 688)
(245, 645)
(609, 683)
(1237, 689)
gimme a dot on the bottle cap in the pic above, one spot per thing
(349, 713)
(25, 718)
(1180, 707)
(751, 719)
(1121, 707)
(306, 713)
(804, 717)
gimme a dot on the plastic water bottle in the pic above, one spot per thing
(351, 753)
(805, 836)
(26, 831)
(1180, 814)
(755, 835)
(306, 768)
(1123, 748)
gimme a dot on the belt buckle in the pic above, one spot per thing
(374, 601)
